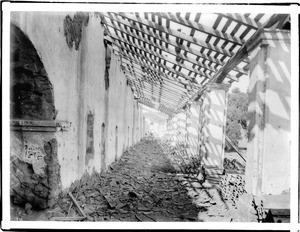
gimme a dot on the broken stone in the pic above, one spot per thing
(132, 194)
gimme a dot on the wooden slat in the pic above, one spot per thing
(167, 50)
(142, 63)
(165, 81)
(172, 94)
(242, 52)
(185, 48)
(201, 27)
(166, 94)
(175, 33)
(198, 72)
(167, 41)
(201, 73)
(164, 99)
(147, 99)
(169, 90)
(235, 147)
(174, 84)
(241, 19)
(157, 71)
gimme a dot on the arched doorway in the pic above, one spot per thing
(31, 91)
(35, 172)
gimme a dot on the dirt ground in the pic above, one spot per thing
(141, 186)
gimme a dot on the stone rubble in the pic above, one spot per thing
(141, 186)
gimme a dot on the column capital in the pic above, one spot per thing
(217, 86)
(268, 36)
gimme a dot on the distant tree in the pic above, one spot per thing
(237, 107)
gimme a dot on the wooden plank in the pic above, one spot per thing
(235, 148)
(175, 84)
(192, 85)
(201, 27)
(258, 17)
(168, 92)
(134, 60)
(77, 205)
(166, 40)
(171, 96)
(198, 72)
(177, 34)
(242, 52)
(146, 99)
(160, 73)
(167, 50)
(241, 19)
(163, 99)
(142, 63)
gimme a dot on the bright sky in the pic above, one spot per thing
(153, 114)
(242, 84)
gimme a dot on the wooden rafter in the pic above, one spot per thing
(164, 39)
(243, 51)
(174, 33)
(134, 60)
(163, 58)
(172, 66)
(202, 28)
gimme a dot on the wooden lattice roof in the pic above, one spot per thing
(168, 58)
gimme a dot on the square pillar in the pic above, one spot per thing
(181, 127)
(174, 130)
(268, 151)
(213, 120)
(193, 128)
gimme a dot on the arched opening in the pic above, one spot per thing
(33, 151)
(31, 91)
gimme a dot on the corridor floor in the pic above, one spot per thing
(141, 186)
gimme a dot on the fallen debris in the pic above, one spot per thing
(77, 205)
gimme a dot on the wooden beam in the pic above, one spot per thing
(163, 99)
(162, 48)
(241, 19)
(242, 52)
(159, 64)
(173, 95)
(201, 27)
(167, 89)
(191, 84)
(235, 147)
(174, 85)
(157, 71)
(174, 33)
(167, 41)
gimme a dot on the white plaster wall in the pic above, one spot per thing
(78, 83)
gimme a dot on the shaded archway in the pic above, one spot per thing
(35, 171)
(31, 91)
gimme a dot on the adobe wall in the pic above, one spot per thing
(77, 74)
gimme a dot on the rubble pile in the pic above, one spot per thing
(141, 186)
(234, 165)
(232, 187)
